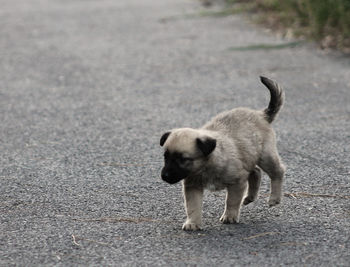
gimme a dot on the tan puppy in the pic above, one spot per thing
(226, 153)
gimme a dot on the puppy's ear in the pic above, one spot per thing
(164, 138)
(206, 145)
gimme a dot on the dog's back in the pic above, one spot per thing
(250, 129)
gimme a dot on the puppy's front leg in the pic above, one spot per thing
(193, 197)
(234, 198)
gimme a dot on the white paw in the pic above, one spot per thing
(191, 226)
(229, 219)
(273, 201)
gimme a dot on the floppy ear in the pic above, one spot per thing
(164, 138)
(206, 145)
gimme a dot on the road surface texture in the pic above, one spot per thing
(88, 87)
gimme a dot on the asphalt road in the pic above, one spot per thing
(86, 90)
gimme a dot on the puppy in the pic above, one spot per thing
(226, 153)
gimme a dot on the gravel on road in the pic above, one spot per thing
(88, 87)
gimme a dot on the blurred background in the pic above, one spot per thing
(326, 21)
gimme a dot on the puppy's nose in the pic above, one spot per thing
(165, 175)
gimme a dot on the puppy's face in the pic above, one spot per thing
(185, 153)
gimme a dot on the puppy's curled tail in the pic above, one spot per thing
(277, 98)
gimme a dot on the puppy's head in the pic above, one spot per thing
(185, 152)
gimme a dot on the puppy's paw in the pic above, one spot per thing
(226, 219)
(273, 201)
(248, 200)
(191, 226)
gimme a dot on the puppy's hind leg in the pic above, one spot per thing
(234, 198)
(271, 164)
(254, 180)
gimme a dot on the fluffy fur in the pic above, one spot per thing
(226, 153)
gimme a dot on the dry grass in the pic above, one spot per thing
(327, 21)
(75, 240)
(305, 194)
(260, 235)
(116, 220)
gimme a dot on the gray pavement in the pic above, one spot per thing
(86, 90)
